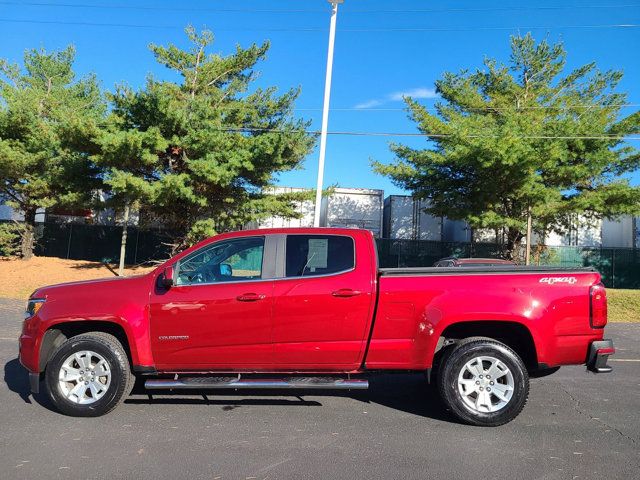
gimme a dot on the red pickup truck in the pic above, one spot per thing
(310, 309)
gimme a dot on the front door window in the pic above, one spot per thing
(227, 261)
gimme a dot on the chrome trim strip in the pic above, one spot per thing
(355, 259)
(251, 280)
(280, 260)
(508, 269)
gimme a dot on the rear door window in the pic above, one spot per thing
(312, 255)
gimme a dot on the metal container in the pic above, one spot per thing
(353, 208)
(404, 218)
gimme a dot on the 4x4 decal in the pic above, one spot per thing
(552, 280)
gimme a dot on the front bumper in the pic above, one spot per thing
(34, 382)
(599, 352)
(28, 349)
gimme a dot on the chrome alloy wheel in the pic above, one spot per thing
(485, 384)
(84, 377)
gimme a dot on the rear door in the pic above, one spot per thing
(323, 305)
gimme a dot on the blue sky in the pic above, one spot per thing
(383, 50)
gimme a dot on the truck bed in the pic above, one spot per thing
(416, 306)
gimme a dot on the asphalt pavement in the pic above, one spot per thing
(576, 425)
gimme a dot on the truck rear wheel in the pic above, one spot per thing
(483, 382)
(88, 375)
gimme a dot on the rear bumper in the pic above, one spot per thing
(599, 352)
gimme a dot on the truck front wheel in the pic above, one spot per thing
(483, 382)
(88, 375)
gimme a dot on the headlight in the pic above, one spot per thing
(33, 305)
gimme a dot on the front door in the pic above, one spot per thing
(217, 316)
(323, 306)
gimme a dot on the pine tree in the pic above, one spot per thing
(511, 140)
(199, 154)
(47, 121)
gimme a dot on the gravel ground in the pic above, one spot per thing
(576, 426)
(19, 278)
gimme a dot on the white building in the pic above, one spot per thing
(8, 213)
(618, 233)
(305, 207)
(345, 207)
(582, 231)
(405, 218)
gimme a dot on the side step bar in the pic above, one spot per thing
(235, 383)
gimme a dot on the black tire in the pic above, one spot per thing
(121, 379)
(454, 362)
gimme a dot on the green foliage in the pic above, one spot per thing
(47, 121)
(199, 154)
(509, 138)
(9, 239)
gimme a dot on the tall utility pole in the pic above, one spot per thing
(325, 110)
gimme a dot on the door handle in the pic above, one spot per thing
(346, 292)
(250, 297)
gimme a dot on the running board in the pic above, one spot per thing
(235, 383)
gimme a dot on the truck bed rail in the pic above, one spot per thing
(505, 270)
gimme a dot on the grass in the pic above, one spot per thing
(624, 305)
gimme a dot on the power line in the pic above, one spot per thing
(426, 135)
(314, 29)
(496, 9)
(287, 11)
(480, 109)
(472, 29)
(159, 8)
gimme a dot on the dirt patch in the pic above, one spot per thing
(19, 278)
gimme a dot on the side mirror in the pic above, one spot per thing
(167, 277)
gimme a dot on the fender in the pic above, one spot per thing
(61, 329)
(121, 303)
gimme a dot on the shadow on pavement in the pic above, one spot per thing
(227, 404)
(408, 393)
(17, 379)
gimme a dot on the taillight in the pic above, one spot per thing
(598, 314)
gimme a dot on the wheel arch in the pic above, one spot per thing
(58, 333)
(515, 335)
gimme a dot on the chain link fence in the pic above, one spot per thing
(101, 243)
(619, 267)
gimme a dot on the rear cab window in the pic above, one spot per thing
(313, 255)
